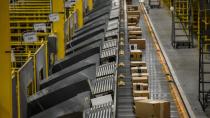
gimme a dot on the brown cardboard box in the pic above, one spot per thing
(136, 55)
(132, 19)
(140, 74)
(132, 24)
(152, 109)
(139, 98)
(133, 13)
(133, 7)
(140, 79)
(134, 28)
(139, 69)
(141, 43)
(140, 86)
(136, 33)
(134, 36)
(143, 93)
(138, 63)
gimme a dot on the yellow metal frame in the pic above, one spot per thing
(79, 11)
(5, 68)
(58, 27)
(90, 5)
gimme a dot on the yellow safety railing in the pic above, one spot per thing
(23, 15)
(34, 73)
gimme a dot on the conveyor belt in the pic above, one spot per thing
(125, 101)
(103, 84)
(82, 68)
(158, 85)
(109, 44)
(108, 52)
(106, 69)
(102, 111)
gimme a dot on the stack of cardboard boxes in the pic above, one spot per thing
(137, 43)
(144, 107)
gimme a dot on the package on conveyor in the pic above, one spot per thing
(133, 13)
(139, 69)
(135, 34)
(136, 55)
(139, 98)
(141, 43)
(132, 24)
(152, 109)
(133, 7)
(133, 19)
(141, 93)
(140, 74)
(137, 63)
(128, 2)
(140, 86)
(134, 28)
(140, 79)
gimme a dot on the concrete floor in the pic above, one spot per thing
(184, 61)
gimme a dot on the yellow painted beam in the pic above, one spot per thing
(5, 62)
(58, 27)
(90, 5)
(79, 10)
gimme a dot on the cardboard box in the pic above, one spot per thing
(141, 43)
(139, 98)
(136, 33)
(140, 86)
(133, 18)
(152, 109)
(134, 36)
(142, 93)
(132, 24)
(134, 28)
(140, 74)
(133, 13)
(136, 55)
(140, 79)
(139, 69)
(133, 7)
(138, 63)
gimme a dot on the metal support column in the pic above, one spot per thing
(58, 27)
(5, 62)
(182, 26)
(79, 11)
(90, 5)
(204, 54)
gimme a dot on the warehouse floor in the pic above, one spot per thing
(184, 62)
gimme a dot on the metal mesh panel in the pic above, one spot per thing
(14, 97)
(40, 65)
(26, 75)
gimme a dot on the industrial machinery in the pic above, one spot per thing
(93, 59)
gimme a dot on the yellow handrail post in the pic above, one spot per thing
(5, 62)
(79, 9)
(90, 5)
(58, 27)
